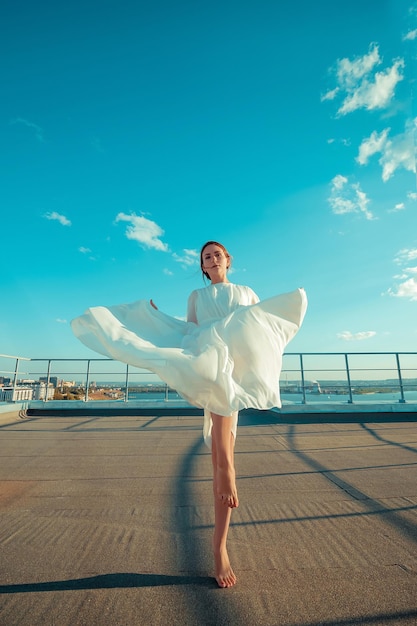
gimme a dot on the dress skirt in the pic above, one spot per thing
(222, 366)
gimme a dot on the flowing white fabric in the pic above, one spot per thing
(213, 303)
(230, 360)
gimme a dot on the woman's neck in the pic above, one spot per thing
(216, 282)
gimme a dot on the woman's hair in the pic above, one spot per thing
(213, 243)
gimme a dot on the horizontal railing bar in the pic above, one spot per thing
(342, 353)
(338, 369)
(285, 354)
(81, 359)
(110, 372)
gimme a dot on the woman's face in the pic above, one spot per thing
(215, 263)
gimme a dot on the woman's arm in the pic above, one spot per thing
(253, 297)
(191, 310)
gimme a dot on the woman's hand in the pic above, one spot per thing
(153, 304)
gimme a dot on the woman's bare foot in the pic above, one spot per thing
(226, 487)
(225, 576)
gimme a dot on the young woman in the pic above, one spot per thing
(226, 357)
(205, 305)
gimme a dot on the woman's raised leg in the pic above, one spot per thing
(225, 495)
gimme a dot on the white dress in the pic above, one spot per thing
(227, 358)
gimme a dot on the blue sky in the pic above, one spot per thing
(132, 132)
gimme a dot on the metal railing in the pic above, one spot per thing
(346, 374)
(403, 380)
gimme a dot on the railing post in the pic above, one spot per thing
(87, 381)
(400, 378)
(48, 378)
(127, 384)
(350, 401)
(16, 369)
(302, 379)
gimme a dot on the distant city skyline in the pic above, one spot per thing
(133, 132)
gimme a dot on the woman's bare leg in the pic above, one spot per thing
(223, 444)
(225, 496)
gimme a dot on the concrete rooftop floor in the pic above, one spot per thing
(107, 520)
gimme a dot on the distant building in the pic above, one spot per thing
(40, 390)
(68, 383)
(43, 392)
(16, 394)
(310, 386)
(52, 379)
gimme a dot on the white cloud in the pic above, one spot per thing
(330, 95)
(58, 217)
(145, 231)
(412, 34)
(348, 197)
(39, 133)
(412, 195)
(188, 258)
(374, 95)
(408, 287)
(342, 140)
(405, 255)
(350, 72)
(362, 201)
(84, 250)
(339, 181)
(346, 335)
(167, 272)
(60, 321)
(396, 152)
(398, 207)
(361, 85)
(370, 146)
